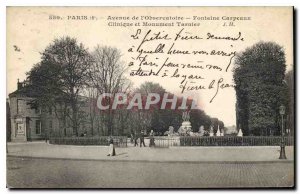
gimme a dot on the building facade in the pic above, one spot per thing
(29, 122)
(26, 121)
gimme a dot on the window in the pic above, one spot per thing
(20, 106)
(50, 111)
(38, 127)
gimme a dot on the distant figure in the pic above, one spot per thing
(131, 138)
(135, 139)
(142, 139)
(111, 148)
(46, 136)
(151, 136)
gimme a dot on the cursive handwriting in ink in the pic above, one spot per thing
(219, 86)
(155, 36)
(212, 36)
(179, 36)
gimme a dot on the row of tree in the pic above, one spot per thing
(69, 78)
(260, 89)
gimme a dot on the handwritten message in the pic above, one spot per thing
(185, 57)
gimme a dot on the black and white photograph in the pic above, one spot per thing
(150, 97)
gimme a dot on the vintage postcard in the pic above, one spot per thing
(150, 97)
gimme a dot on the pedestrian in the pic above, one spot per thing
(111, 148)
(131, 138)
(46, 136)
(151, 136)
(135, 139)
(142, 142)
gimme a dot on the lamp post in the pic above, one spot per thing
(282, 146)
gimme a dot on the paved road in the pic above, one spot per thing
(184, 154)
(59, 173)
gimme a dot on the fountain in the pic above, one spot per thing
(186, 126)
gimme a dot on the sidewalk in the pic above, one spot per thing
(172, 154)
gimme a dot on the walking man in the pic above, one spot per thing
(151, 136)
(142, 139)
(111, 148)
(135, 139)
(131, 138)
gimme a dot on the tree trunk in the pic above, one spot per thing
(74, 121)
(64, 126)
(74, 115)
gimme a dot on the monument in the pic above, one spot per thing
(186, 126)
(240, 133)
(218, 132)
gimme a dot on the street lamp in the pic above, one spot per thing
(282, 146)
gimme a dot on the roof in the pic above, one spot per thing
(25, 91)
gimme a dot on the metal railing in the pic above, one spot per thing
(222, 141)
(119, 141)
(165, 141)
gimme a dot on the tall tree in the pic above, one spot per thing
(48, 92)
(107, 76)
(289, 80)
(152, 118)
(258, 76)
(199, 118)
(215, 125)
(61, 75)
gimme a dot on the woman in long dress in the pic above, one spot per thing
(111, 148)
(151, 139)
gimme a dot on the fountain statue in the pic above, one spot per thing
(240, 133)
(218, 132)
(186, 127)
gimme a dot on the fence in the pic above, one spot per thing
(119, 141)
(222, 141)
(164, 141)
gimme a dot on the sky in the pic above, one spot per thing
(30, 31)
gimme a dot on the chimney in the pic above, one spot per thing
(19, 85)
